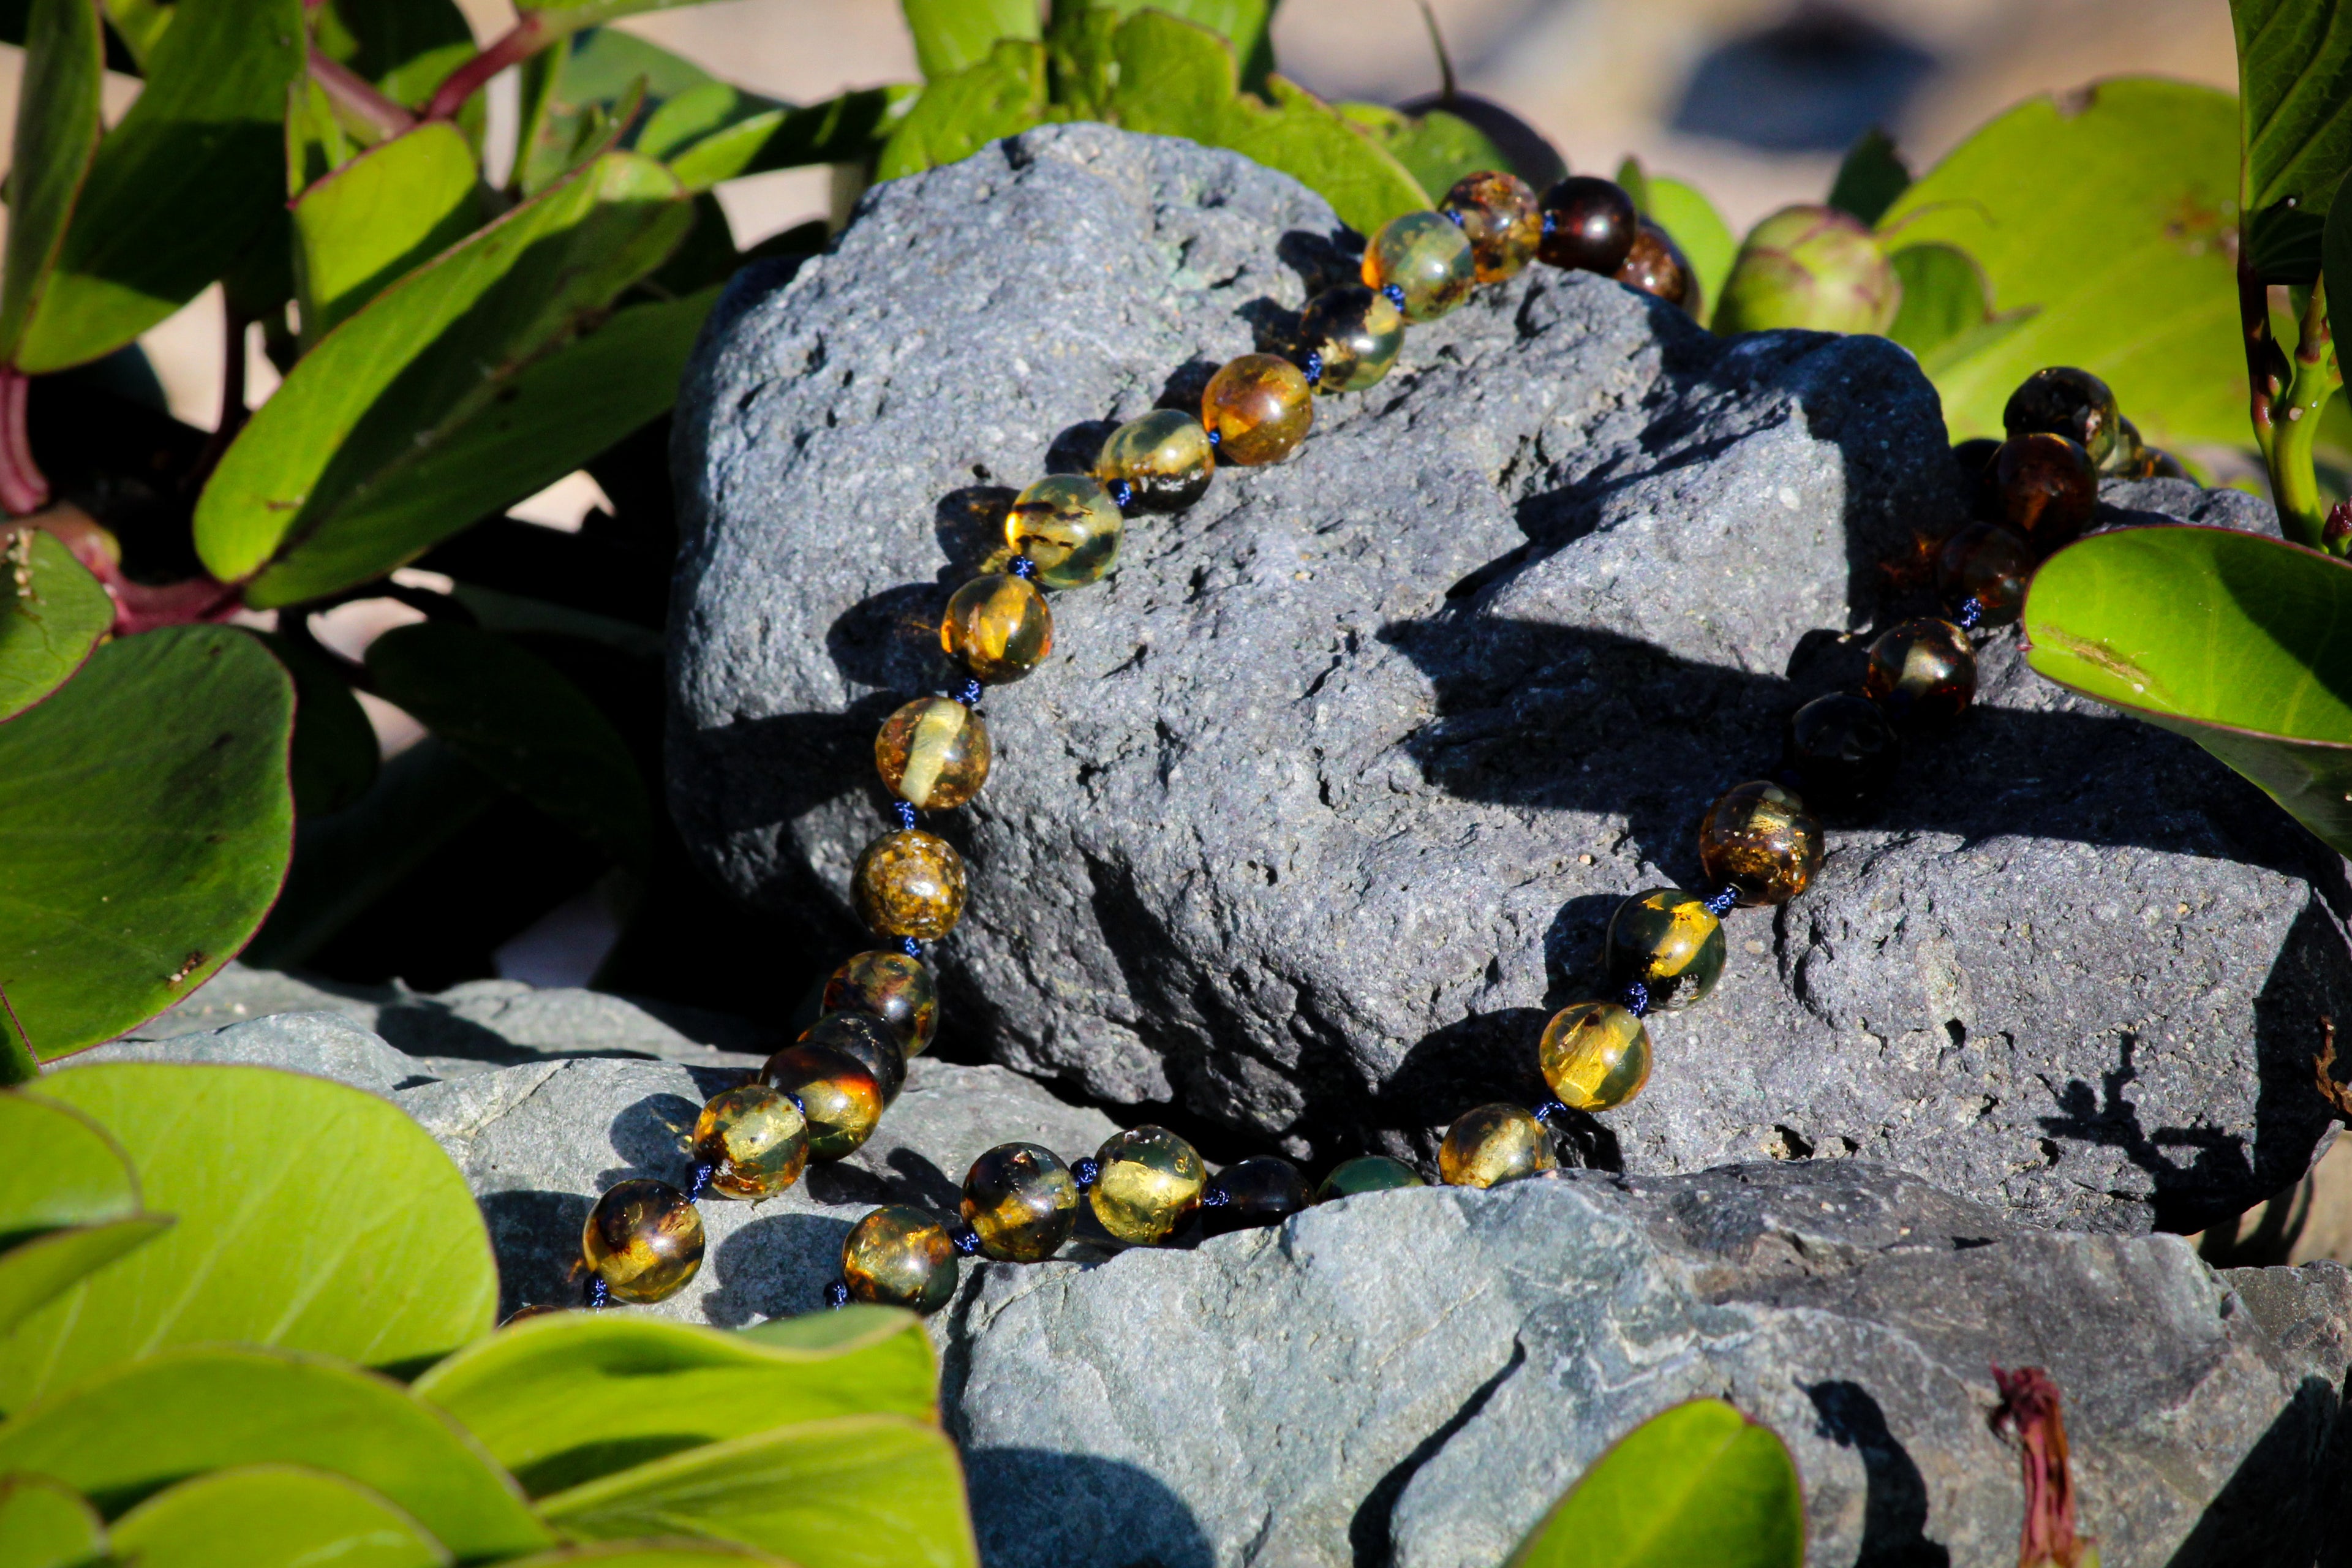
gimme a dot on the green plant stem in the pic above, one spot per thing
(2265, 366)
(2295, 482)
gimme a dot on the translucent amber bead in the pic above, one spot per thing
(2064, 401)
(1259, 407)
(1150, 1179)
(838, 1094)
(1021, 1201)
(643, 1239)
(1592, 225)
(1358, 333)
(754, 1141)
(2048, 487)
(1367, 1174)
(1989, 564)
(1923, 669)
(1165, 458)
(899, 1257)
(1669, 942)
(1656, 265)
(1426, 257)
(866, 1039)
(1266, 1190)
(999, 626)
(933, 754)
(1595, 1056)
(1759, 840)
(909, 883)
(1494, 1144)
(1842, 749)
(1501, 219)
(1067, 524)
(894, 987)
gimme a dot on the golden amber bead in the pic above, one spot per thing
(1494, 1144)
(1502, 220)
(1358, 333)
(1595, 1056)
(1149, 1180)
(839, 1095)
(1022, 1202)
(999, 626)
(866, 1039)
(933, 754)
(1367, 1174)
(1760, 841)
(893, 986)
(899, 1257)
(1923, 669)
(1669, 942)
(754, 1141)
(1258, 407)
(1164, 457)
(909, 883)
(644, 1239)
(1067, 524)
(1426, 257)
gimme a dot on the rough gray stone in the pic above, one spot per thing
(1323, 800)
(324, 1045)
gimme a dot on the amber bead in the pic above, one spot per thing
(1358, 333)
(1588, 223)
(1148, 1182)
(1258, 407)
(2130, 458)
(909, 883)
(1656, 265)
(1842, 750)
(1502, 220)
(643, 1239)
(1989, 562)
(2048, 488)
(2067, 402)
(1000, 625)
(754, 1141)
(933, 754)
(1595, 1056)
(1922, 669)
(899, 1257)
(1164, 457)
(866, 1040)
(839, 1095)
(1759, 840)
(2163, 464)
(1494, 1144)
(1265, 1190)
(1021, 1201)
(1367, 1174)
(1068, 525)
(1668, 942)
(1426, 258)
(895, 988)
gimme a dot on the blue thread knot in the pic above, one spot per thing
(1122, 494)
(1971, 612)
(968, 693)
(836, 1294)
(1395, 294)
(1635, 999)
(1087, 1172)
(1549, 1112)
(1453, 216)
(1313, 367)
(798, 1104)
(910, 947)
(1720, 901)
(1551, 221)
(1214, 1196)
(965, 1239)
(1021, 566)
(1216, 436)
(600, 1295)
(702, 1182)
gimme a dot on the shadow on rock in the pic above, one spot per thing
(774, 1267)
(651, 1136)
(1894, 1508)
(536, 1236)
(2285, 1502)
(1033, 1505)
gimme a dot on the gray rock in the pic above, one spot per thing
(324, 1045)
(1323, 801)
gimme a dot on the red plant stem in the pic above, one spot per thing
(359, 95)
(2029, 1401)
(23, 487)
(526, 38)
(2265, 364)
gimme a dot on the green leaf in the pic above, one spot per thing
(953, 36)
(335, 752)
(1435, 148)
(957, 115)
(856, 1491)
(605, 65)
(62, 1169)
(1947, 311)
(45, 1525)
(2337, 253)
(328, 468)
(125, 1435)
(311, 1216)
(849, 129)
(404, 46)
(1872, 175)
(656, 1553)
(1682, 211)
(575, 121)
(1697, 1484)
(831, 1332)
(148, 830)
(50, 624)
(179, 189)
(378, 216)
(2114, 219)
(42, 1269)
(140, 24)
(272, 1516)
(57, 129)
(565, 1399)
(2241, 643)
(2294, 83)
(1245, 25)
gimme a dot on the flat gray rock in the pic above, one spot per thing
(322, 1044)
(1323, 800)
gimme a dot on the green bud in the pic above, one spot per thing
(1810, 266)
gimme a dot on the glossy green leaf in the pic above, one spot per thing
(856, 1491)
(45, 1525)
(2113, 220)
(2294, 86)
(1870, 179)
(834, 1330)
(604, 65)
(58, 127)
(273, 1516)
(51, 623)
(571, 127)
(1435, 148)
(957, 115)
(180, 188)
(2336, 254)
(2241, 643)
(140, 24)
(1686, 214)
(376, 218)
(148, 829)
(62, 1169)
(1946, 312)
(953, 36)
(404, 46)
(335, 753)
(40, 1270)
(311, 1216)
(125, 1435)
(849, 129)
(565, 1399)
(666, 1553)
(1697, 1484)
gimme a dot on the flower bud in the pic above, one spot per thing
(1810, 266)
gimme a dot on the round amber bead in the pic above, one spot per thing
(643, 1239)
(909, 883)
(1501, 219)
(754, 1141)
(1358, 333)
(1022, 1202)
(1668, 942)
(839, 1095)
(1759, 840)
(1149, 1180)
(1067, 524)
(893, 986)
(1258, 407)
(1165, 458)
(1656, 265)
(1426, 257)
(1595, 1056)
(866, 1040)
(933, 754)
(1265, 1190)
(1494, 1144)
(1000, 625)
(1592, 225)
(1842, 749)
(1367, 1174)
(2067, 402)
(899, 1257)
(1989, 564)
(1922, 669)
(2048, 487)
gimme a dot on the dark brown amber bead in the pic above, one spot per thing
(1843, 750)
(999, 626)
(2066, 401)
(1068, 527)
(839, 1095)
(1164, 457)
(1355, 332)
(1266, 1190)
(1367, 1174)
(1426, 258)
(1923, 669)
(2131, 458)
(754, 1141)
(909, 883)
(894, 987)
(1494, 1144)
(1588, 223)
(866, 1039)
(1149, 1181)
(1656, 265)
(1595, 1056)
(933, 754)
(1986, 562)
(644, 1239)
(1258, 407)
(2163, 464)
(2048, 488)
(1501, 219)
(1022, 1202)
(1669, 942)
(1759, 840)
(899, 1257)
